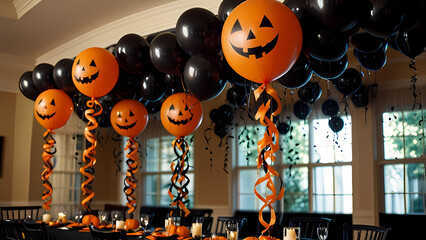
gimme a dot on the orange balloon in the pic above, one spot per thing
(181, 114)
(95, 72)
(129, 117)
(261, 40)
(53, 108)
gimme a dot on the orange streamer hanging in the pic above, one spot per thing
(48, 167)
(266, 147)
(89, 153)
(132, 169)
(179, 179)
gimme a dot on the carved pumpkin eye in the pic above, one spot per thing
(52, 102)
(236, 27)
(92, 63)
(172, 107)
(265, 22)
(131, 114)
(119, 115)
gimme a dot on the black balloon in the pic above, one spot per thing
(226, 7)
(174, 84)
(43, 77)
(62, 76)
(334, 15)
(132, 53)
(328, 46)
(411, 37)
(152, 86)
(372, 61)
(225, 114)
(330, 107)
(27, 87)
(220, 130)
(79, 101)
(365, 42)
(202, 76)
(235, 99)
(381, 18)
(302, 110)
(298, 75)
(214, 115)
(198, 31)
(348, 82)
(310, 92)
(360, 97)
(127, 85)
(299, 8)
(107, 102)
(329, 70)
(336, 124)
(283, 128)
(153, 107)
(166, 54)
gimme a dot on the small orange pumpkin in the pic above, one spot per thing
(131, 224)
(171, 229)
(90, 219)
(266, 238)
(183, 231)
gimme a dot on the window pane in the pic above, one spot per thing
(246, 181)
(295, 144)
(394, 203)
(323, 180)
(248, 136)
(413, 147)
(150, 184)
(343, 203)
(296, 202)
(416, 203)
(394, 178)
(323, 203)
(247, 202)
(412, 124)
(296, 196)
(393, 147)
(415, 182)
(343, 179)
(392, 124)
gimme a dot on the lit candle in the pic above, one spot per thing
(62, 218)
(119, 225)
(290, 234)
(197, 229)
(233, 235)
(46, 218)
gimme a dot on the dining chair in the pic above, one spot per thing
(106, 235)
(221, 224)
(34, 231)
(19, 212)
(366, 232)
(308, 225)
(9, 230)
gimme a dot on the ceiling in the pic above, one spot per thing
(30, 28)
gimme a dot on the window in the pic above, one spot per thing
(403, 162)
(315, 165)
(156, 173)
(66, 177)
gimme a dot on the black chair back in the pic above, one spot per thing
(308, 225)
(19, 212)
(221, 224)
(106, 235)
(9, 230)
(35, 231)
(366, 232)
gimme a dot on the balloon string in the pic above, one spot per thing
(179, 180)
(132, 169)
(48, 152)
(89, 153)
(413, 83)
(266, 147)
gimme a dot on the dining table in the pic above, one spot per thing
(61, 233)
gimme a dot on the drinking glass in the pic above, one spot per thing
(115, 215)
(78, 216)
(232, 230)
(102, 217)
(144, 221)
(322, 232)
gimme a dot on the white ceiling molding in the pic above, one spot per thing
(23, 6)
(7, 9)
(143, 23)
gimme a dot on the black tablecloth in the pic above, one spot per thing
(59, 234)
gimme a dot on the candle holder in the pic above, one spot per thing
(291, 233)
(197, 228)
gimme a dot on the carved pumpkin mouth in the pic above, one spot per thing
(257, 51)
(181, 122)
(44, 117)
(87, 80)
(126, 127)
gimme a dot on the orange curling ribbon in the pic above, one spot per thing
(179, 180)
(49, 150)
(89, 153)
(132, 168)
(266, 147)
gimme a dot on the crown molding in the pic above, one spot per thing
(23, 6)
(143, 23)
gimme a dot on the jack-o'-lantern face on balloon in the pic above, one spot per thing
(95, 72)
(181, 114)
(53, 108)
(261, 39)
(129, 117)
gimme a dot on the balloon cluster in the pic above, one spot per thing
(331, 108)
(222, 117)
(308, 94)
